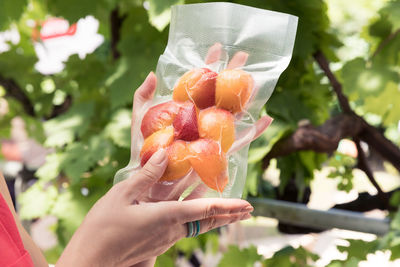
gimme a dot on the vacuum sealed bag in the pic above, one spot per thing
(220, 66)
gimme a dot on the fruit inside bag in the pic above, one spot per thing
(218, 70)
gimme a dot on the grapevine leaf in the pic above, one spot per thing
(63, 129)
(71, 207)
(160, 12)
(385, 104)
(36, 201)
(119, 129)
(359, 249)
(235, 257)
(11, 11)
(164, 261)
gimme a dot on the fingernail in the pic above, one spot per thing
(158, 157)
(247, 209)
(245, 216)
(150, 74)
(268, 118)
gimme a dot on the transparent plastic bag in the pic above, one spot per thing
(220, 66)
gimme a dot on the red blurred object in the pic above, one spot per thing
(11, 151)
(56, 27)
(12, 251)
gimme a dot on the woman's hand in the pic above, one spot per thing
(121, 231)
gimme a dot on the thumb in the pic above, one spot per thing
(151, 172)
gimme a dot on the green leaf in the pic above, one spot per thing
(289, 257)
(236, 257)
(119, 129)
(160, 12)
(395, 252)
(254, 174)
(395, 199)
(260, 147)
(63, 129)
(351, 262)
(395, 224)
(140, 44)
(80, 157)
(71, 208)
(386, 104)
(312, 160)
(381, 28)
(187, 245)
(52, 167)
(392, 11)
(11, 10)
(73, 10)
(360, 80)
(359, 249)
(164, 261)
(37, 201)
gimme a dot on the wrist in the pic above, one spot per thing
(81, 252)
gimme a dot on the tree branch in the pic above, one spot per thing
(362, 164)
(60, 109)
(323, 139)
(326, 137)
(380, 144)
(337, 87)
(366, 202)
(116, 23)
(13, 90)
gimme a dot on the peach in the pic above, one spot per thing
(233, 90)
(185, 122)
(178, 161)
(219, 125)
(156, 141)
(209, 162)
(197, 85)
(159, 117)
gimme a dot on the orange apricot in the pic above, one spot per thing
(178, 161)
(209, 162)
(219, 125)
(158, 117)
(197, 85)
(233, 90)
(156, 141)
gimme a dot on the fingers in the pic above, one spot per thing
(214, 222)
(251, 134)
(199, 209)
(142, 95)
(238, 60)
(261, 125)
(221, 220)
(213, 54)
(151, 172)
(146, 91)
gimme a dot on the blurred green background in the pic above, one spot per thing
(80, 115)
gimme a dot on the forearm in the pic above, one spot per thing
(34, 251)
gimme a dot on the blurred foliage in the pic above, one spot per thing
(343, 170)
(91, 140)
